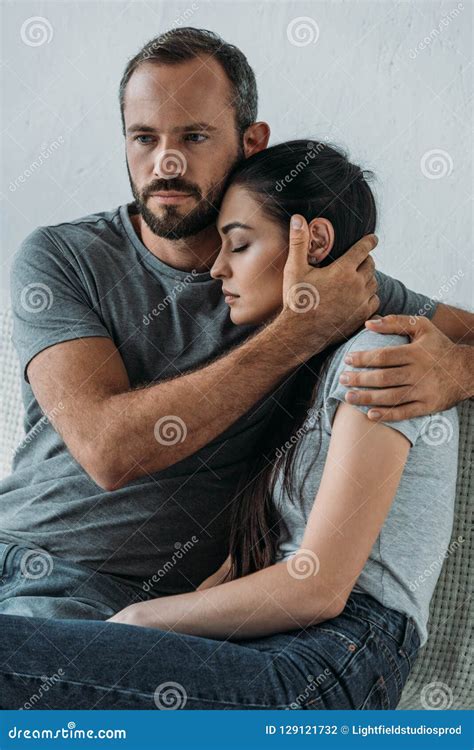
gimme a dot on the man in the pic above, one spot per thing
(154, 401)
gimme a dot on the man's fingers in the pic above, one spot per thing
(372, 286)
(387, 377)
(391, 356)
(368, 265)
(373, 304)
(367, 269)
(299, 243)
(397, 413)
(359, 252)
(381, 397)
(402, 324)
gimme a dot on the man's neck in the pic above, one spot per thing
(191, 253)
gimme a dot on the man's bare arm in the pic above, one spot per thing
(118, 434)
(455, 323)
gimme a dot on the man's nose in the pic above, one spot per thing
(170, 161)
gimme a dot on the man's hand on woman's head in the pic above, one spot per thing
(427, 375)
(336, 299)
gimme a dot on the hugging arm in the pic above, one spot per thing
(79, 378)
(427, 375)
(363, 468)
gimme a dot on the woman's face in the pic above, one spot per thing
(252, 258)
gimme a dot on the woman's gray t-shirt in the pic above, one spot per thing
(406, 559)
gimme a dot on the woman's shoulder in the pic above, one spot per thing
(366, 340)
(334, 392)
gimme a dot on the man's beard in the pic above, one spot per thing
(171, 223)
(174, 225)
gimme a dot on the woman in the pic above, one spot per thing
(338, 516)
(320, 604)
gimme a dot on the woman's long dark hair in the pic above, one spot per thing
(313, 179)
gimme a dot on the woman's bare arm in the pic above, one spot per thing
(363, 468)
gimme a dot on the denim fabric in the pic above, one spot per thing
(358, 660)
(34, 583)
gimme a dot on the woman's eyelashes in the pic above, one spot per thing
(240, 248)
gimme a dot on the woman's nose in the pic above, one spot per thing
(219, 269)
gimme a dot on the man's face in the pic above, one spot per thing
(181, 142)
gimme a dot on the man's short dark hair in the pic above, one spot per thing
(177, 45)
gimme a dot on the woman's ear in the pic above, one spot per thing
(321, 234)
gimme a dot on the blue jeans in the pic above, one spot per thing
(358, 660)
(34, 583)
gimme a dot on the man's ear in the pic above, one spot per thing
(321, 235)
(256, 138)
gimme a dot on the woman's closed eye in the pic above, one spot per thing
(240, 248)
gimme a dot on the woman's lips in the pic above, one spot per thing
(170, 197)
(229, 297)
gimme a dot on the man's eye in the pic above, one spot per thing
(240, 248)
(196, 137)
(142, 136)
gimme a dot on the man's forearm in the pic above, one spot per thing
(150, 429)
(463, 370)
(455, 323)
(147, 430)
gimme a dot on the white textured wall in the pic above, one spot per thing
(392, 81)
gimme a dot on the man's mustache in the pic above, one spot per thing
(175, 185)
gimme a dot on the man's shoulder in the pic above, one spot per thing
(71, 239)
(93, 222)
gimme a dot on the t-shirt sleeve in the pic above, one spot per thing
(49, 298)
(396, 299)
(335, 392)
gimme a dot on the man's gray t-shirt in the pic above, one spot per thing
(94, 277)
(406, 559)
